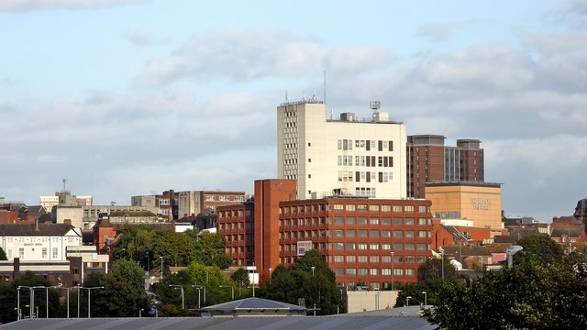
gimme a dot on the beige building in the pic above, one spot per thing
(344, 156)
(475, 201)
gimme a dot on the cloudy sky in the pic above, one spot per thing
(126, 97)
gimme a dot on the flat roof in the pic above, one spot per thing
(464, 183)
(342, 321)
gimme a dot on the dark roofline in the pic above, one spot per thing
(464, 183)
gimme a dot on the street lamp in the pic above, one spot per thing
(182, 294)
(408, 300)
(33, 303)
(425, 298)
(161, 258)
(90, 297)
(442, 262)
(392, 271)
(78, 294)
(270, 275)
(313, 268)
(510, 253)
(18, 300)
(199, 288)
(231, 289)
(141, 312)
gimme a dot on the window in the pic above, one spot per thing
(386, 221)
(338, 207)
(350, 258)
(409, 247)
(374, 208)
(409, 234)
(350, 207)
(339, 144)
(373, 271)
(338, 233)
(362, 233)
(386, 272)
(409, 208)
(398, 246)
(398, 272)
(363, 271)
(351, 271)
(350, 220)
(409, 221)
(55, 252)
(422, 221)
(422, 209)
(362, 207)
(386, 259)
(44, 253)
(374, 221)
(374, 233)
(397, 208)
(349, 246)
(385, 208)
(374, 259)
(398, 234)
(338, 220)
(21, 253)
(422, 234)
(397, 221)
(339, 271)
(338, 258)
(385, 234)
(362, 246)
(362, 221)
(409, 272)
(350, 233)
(362, 259)
(338, 246)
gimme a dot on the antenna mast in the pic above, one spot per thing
(64, 181)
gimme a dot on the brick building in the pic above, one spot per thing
(364, 241)
(429, 160)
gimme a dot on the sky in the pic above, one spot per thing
(128, 97)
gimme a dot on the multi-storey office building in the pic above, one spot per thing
(365, 241)
(429, 160)
(345, 156)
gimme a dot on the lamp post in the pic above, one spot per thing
(141, 312)
(392, 271)
(442, 262)
(313, 268)
(77, 287)
(33, 303)
(199, 288)
(408, 300)
(269, 275)
(90, 297)
(182, 294)
(161, 258)
(231, 289)
(425, 298)
(31, 299)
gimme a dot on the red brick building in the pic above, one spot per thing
(371, 242)
(443, 236)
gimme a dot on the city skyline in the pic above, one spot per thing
(132, 97)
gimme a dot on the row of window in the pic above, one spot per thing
(350, 233)
(379, 145)
(362, 246)
(237, 225)
(375, 271)
(368, 161)
(230, 238)
(377, 259)
(382, 177)
(339, 220)
(352, 207)
(21, 253)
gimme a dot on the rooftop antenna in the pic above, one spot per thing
(375, 106)
(286, 100)
(64, 181)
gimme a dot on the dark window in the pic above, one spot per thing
(390, 145)
(368, 177)
(368, 161)
(358, 176)
(380, 145)
(380, 176)
(367, 146)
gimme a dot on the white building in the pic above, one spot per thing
(45, 242)
(340, 156)
(65, 198)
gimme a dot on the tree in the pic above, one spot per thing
(530, 295)
(210, 249)
(124, 291)
(317, 286)
(2, 255)
(241, 278)
(432, 269)
(539, 247)
(177, 249)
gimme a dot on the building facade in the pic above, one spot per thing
(38, 242)
(65, 198)
(345, 156)
(429, 160)
(372, 242)
(475, 201)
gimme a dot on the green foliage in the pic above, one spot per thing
(316, 287)
(123, 294)
(147, 246)
(539, 247)
(2, 254)
(531, 295)
(431, 271)
(8, 297)
(241, 277)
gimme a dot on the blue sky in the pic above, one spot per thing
(128, 97)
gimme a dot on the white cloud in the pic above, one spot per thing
(34, 5)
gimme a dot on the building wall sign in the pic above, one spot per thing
(481, 204)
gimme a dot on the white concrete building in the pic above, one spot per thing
(45, 242)
(340, 156)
